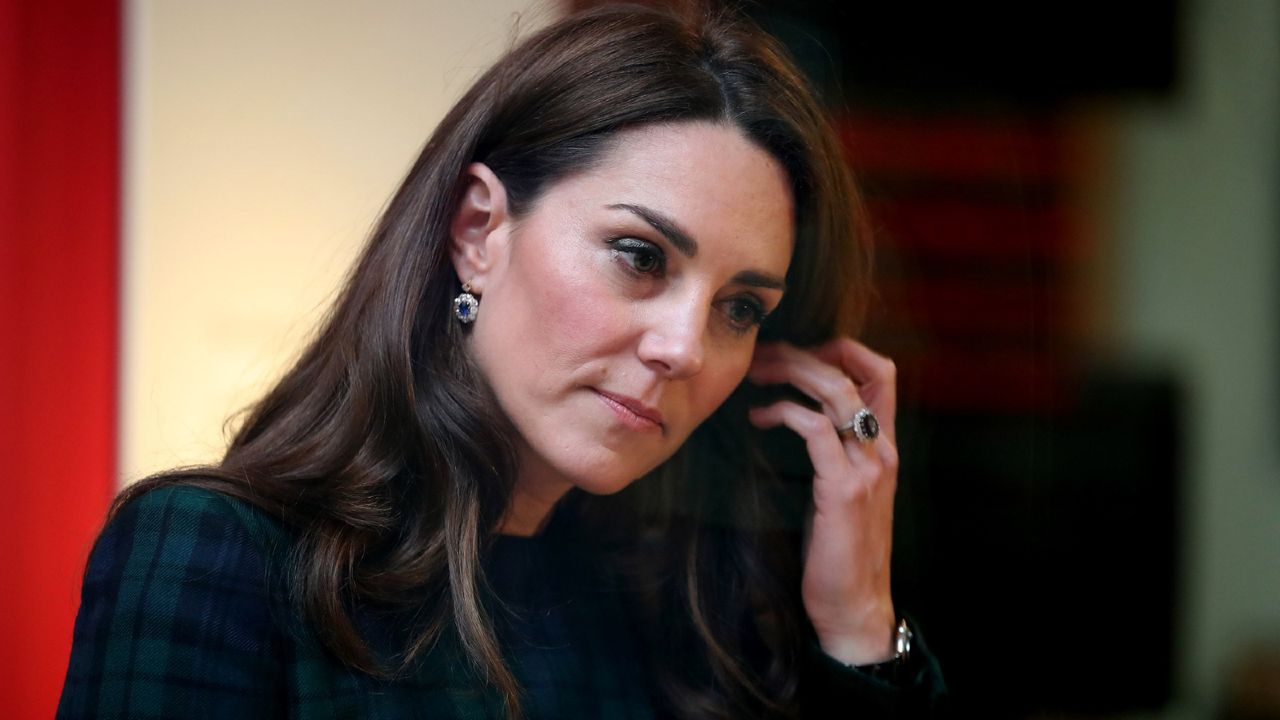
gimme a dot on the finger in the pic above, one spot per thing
(820, 373)
(839, 397)
(875, 375)
(826, 383)
(831, 457)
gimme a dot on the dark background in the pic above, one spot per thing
(1038, 545)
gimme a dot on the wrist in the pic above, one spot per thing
(894, 669)
(875, 642)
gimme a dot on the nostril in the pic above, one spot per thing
(673, 343)
(673, 355)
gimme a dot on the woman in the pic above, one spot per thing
(515, 473)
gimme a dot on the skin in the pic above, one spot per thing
(608, 339)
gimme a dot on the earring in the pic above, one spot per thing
(465, 306)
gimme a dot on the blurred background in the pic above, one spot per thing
(1077, 208)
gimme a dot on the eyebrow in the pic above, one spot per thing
(759, 279)
(689, 247)
(663, 224)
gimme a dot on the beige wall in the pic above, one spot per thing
(261, 140)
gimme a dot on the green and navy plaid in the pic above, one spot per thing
(184, 614)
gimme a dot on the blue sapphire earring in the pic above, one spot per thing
(465, 306)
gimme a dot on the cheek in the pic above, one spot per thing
(721, 380)
(561, 305)
(583, 315)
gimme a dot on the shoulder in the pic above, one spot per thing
(182, 507)
(189, 536)
(182, 522)
(178, 605)
(186, 540)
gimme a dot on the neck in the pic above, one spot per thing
(532, 500)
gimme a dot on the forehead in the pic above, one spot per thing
(725, 191)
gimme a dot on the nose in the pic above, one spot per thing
(673, 342)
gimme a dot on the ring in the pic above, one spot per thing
(863, 426)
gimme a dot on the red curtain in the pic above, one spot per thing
(59, 288)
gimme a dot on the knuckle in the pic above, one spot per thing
(888, 368)
(889, 458)
(855, 492)
(848, 390)
(838, 386)
(811, 422)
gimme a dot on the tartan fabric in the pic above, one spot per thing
(184, 614)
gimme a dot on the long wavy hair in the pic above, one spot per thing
(383, 451)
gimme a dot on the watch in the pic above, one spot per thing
(890, 669)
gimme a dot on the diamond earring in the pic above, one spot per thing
(465, 306)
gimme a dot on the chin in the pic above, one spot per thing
(609, 476)
(604, 488)
(604, 482)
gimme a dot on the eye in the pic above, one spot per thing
(744, 313)
(641, 256)
(645, 262)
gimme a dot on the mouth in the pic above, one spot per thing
(631, 412)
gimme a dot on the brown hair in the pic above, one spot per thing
(383, 450)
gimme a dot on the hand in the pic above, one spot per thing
(845, 587)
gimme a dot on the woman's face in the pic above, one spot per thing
(622, 309)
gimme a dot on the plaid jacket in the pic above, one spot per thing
(184, 615)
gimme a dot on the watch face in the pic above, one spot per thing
(902, 641)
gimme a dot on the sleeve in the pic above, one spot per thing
(831, 689)
(175, 616)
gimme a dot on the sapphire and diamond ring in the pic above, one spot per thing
(863, 426)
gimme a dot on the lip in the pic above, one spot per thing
(631, 411)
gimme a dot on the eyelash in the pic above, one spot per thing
(633, 249)
(756, 314)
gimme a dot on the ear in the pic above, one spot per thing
(478, 229)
